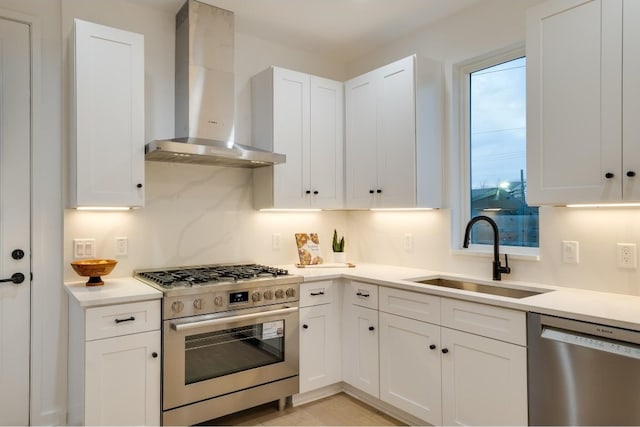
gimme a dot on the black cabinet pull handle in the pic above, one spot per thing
(432, 347)
(313, 294)
(371, 191)
(378, 191)
(128, 319)
(15, 278)
(445, 350)
(371, 328)
(139, 185)
(360, 294)
(154, 354)
(305, 326)
(307, 192)
(316, 192)
(609, 175)
(631, 174)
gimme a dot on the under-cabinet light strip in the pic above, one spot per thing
(103, 208)
(605, 205)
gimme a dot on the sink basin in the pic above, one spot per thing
(480, 287)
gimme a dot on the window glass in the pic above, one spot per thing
(498, 154)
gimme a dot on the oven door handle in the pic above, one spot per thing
(179, 327)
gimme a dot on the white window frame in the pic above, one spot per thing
(461, 154)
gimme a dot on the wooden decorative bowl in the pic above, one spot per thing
(94, 268)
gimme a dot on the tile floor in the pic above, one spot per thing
(337, 410)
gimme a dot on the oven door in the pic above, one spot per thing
(211, 355)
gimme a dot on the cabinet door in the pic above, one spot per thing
(360, 345)
(122, 382)
(361, 136)
(574, 65)
(484, 381)
(631, 101)
(326, 152)
(410, 377)
(319, 346)
(108, 117)
(291, 137)
(396, 134)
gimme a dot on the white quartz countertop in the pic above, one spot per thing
(599, 307)
(117, 290)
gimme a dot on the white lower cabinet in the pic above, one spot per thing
(438, 360)
(446, 376)
(410, 377)
(114, 364)
(122, 380)
(319, 336)
(360, 348)
(484, 381)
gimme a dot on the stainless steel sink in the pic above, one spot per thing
(480, 287)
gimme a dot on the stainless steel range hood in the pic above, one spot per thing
(205, 95)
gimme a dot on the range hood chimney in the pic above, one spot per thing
(205, 95)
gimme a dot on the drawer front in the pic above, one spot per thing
(485, 320)
(413, 305)
(122, 319)
(363, 294)
(316, 293)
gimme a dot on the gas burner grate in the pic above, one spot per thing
(210, 274)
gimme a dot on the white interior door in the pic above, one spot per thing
(15, 223)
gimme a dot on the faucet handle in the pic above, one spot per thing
(506, 268)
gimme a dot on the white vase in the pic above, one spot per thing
(340, 257)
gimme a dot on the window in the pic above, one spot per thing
(497, 151)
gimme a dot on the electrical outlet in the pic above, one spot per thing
(276, 241)
(570, 252)
(84, 248)
(122, 246)
(408, 242)
(627, 255)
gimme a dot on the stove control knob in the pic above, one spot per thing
(268, 294)
(291, 292)
(177, 306)
(279, 293)
(217, 301)
(256, 296)
(198, 304)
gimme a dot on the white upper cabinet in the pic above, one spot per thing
(580, 147)
(107, 112)
(300, 116)
(393, 136)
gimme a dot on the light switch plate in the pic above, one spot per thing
(570, 252)
(84, 248)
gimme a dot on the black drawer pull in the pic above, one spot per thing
(314, 294)
(445, 350)
(432, 347)
(128, 319)
(371, 328)
(360, 294)
(305, 326)
(154, 354)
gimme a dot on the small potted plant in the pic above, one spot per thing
(338, 248)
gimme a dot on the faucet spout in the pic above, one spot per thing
(498, 269)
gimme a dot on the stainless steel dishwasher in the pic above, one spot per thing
(582, 373)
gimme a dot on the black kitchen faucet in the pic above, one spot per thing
(497, 268)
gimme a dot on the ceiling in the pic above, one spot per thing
(344, 29)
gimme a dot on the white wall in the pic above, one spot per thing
(193, 214)
(197, 214)
(490, 26)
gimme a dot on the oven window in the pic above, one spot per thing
(225, 352)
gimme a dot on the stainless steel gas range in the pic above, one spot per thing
(230, 338)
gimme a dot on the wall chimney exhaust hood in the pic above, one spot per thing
(205, 95)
